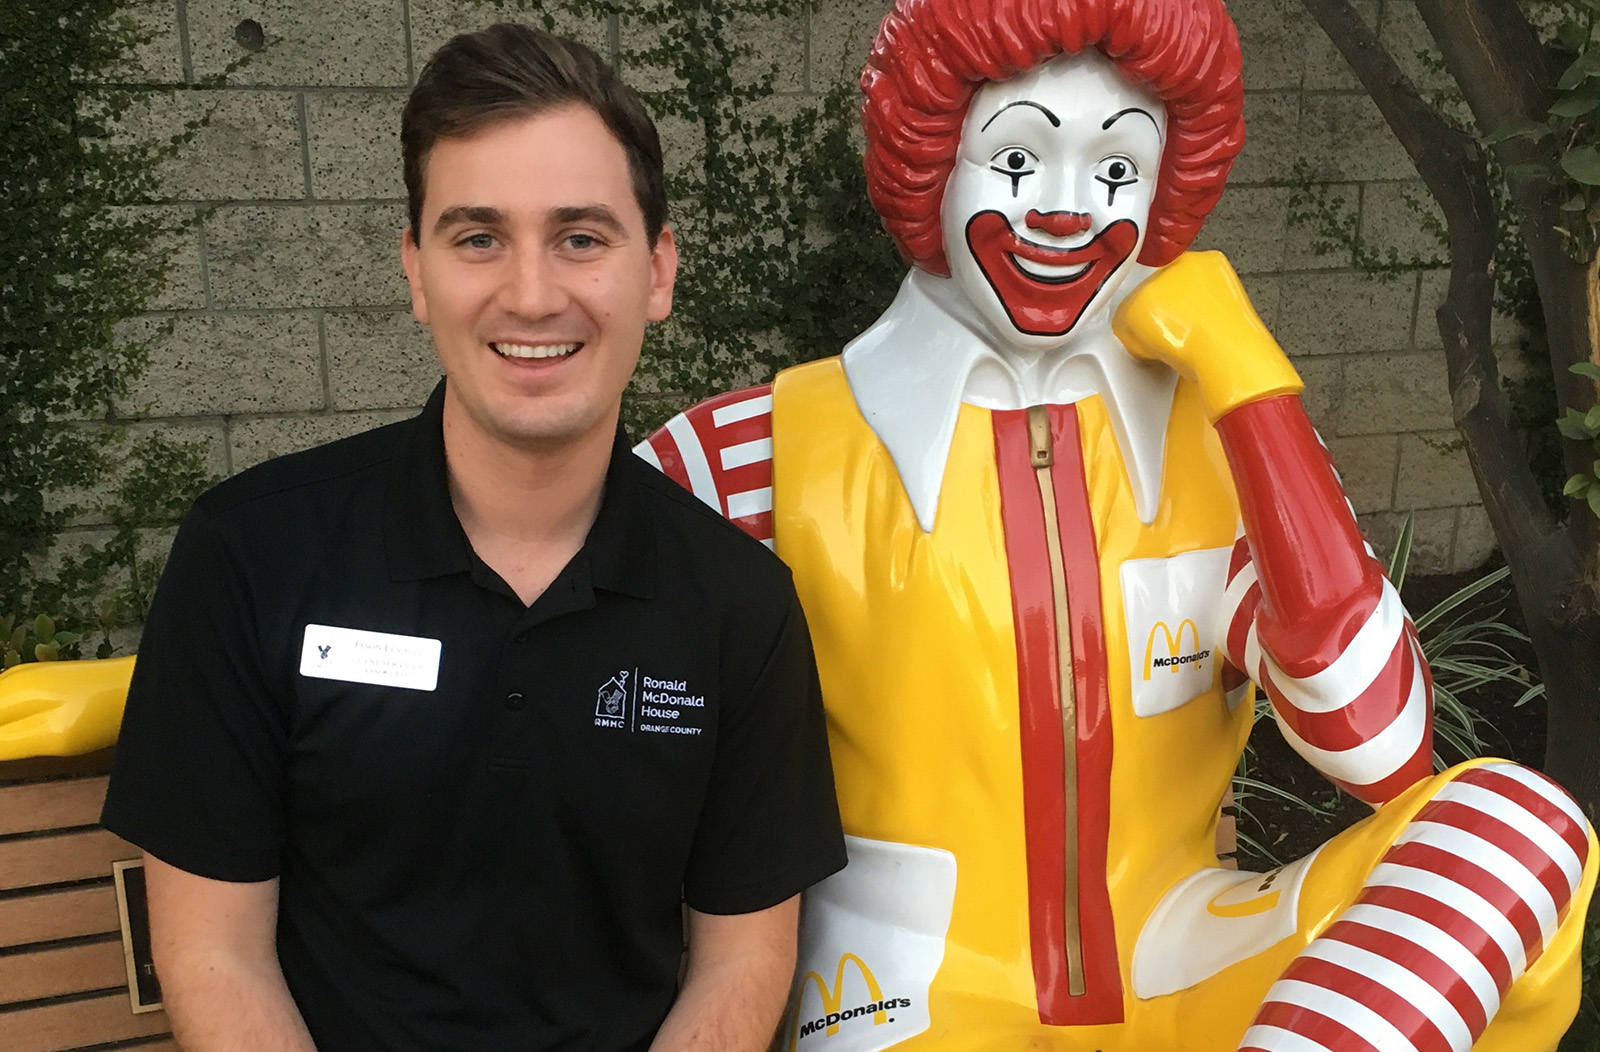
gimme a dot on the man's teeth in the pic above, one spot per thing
(528, 350)
(1051, 271)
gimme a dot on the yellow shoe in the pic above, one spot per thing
(62, 708)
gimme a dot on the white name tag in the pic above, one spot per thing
(379, 658)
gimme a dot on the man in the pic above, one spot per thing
(1045, 515)
(434, 728)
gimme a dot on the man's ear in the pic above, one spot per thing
(663, 273)
(413, 268)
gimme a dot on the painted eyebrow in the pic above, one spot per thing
(468, 214)
(1055, 122)
(1123, 113)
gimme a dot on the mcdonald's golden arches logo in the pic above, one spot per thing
(1174, 658)
(832, 997)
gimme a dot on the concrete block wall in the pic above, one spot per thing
(290, 309)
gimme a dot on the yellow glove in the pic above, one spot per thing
(62, 708)
(1194, 316)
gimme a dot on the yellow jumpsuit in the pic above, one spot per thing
(917, 643)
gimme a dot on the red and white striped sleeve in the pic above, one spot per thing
(1310, 616)
(721, 451)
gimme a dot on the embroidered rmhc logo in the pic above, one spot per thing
(611, 703)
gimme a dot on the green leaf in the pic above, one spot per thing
(1577, 486)
(45, 652)
(66, 639)
(1574, 105)
(1520, 130)
(1583, 164)
(1589, 369)
(1575, 74)
(1575, 203)
(1571, 426)
(1528, 170)
(1591, 420)
(44, 628)
(1402, 552)
(12, 658)
(1459, 596)
(1594, 499)
(18, 637)
(1572, 36)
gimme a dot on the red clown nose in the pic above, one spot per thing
(1061, 224)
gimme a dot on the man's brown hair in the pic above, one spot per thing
(509, 71)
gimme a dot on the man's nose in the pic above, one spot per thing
(532, 286)
(1058, 224)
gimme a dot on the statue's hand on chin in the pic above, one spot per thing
(1194, 316)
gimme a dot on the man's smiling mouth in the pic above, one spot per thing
(534, 350)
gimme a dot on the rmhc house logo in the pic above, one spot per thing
(833, 1013)
(1174, 658)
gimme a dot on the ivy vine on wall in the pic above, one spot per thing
(80, 258)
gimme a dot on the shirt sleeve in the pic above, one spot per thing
(769, 827)
(198, 779)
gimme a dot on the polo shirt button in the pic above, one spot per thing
(514, 700)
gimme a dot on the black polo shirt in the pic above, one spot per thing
(496, 862)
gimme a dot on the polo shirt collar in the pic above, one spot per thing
(621, 545)
(423, 537)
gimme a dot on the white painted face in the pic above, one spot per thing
(1047, 207)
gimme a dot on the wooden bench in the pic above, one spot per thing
(63, 969)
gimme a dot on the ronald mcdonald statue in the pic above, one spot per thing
(1050, 517)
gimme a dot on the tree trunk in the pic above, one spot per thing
(1495, 56)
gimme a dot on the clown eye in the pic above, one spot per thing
(1115, 173)
(1013, 162)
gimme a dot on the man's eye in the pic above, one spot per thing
(478, 241)
(582, 241)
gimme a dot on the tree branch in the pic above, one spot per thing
(1456, 174)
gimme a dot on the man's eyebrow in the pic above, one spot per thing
(1055, 122)
(467, 214)
(1131, 109)
(598, 214)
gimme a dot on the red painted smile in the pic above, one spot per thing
(1046, 290)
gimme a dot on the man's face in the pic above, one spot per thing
(1047, 207)
(535, 275)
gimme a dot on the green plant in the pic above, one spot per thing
(81, 258)
(1584, 427)
(38, 639)
(1464, 646)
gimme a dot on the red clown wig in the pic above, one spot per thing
(931, 55)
